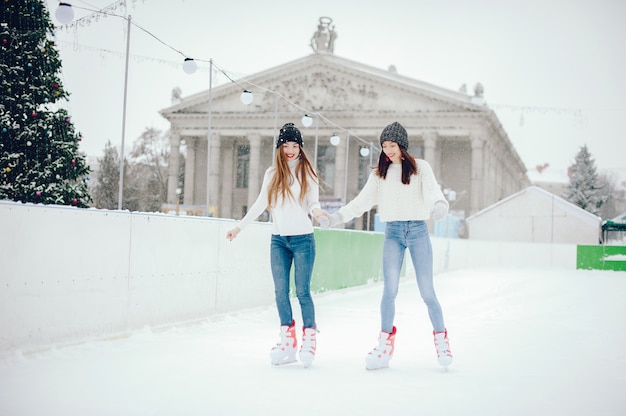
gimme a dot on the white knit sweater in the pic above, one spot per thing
(395, 200)
(288, 216)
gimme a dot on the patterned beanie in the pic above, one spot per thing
(395, 133)
(289, 133)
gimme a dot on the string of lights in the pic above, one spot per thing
(190, 66)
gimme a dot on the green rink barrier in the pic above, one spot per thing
(601, 257)
(346, 258)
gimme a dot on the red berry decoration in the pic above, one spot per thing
(74, 201)
(34, 114)
(73, 162)
(55, 85)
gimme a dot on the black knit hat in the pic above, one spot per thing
(395, 133)
(289, 133)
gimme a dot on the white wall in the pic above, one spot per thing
(69, 274)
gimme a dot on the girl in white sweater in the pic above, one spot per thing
(407, 194)
(290, 191)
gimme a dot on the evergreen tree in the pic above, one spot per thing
(584, 189)
(39, 157)
(105, 192)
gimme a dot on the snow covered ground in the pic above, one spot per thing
(526, 342)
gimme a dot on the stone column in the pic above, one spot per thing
(255, 176)
(430, 153)
(190, 171)
(340, 169)
(172, 174)
(214, 174)
(476, 184)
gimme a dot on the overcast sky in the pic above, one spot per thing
(552, 71)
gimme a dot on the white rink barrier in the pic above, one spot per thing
(68, 275)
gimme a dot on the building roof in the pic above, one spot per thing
(538, 192)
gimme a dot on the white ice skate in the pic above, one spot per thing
(379, 357)
(444, 355)
(285, 350)
(309, 343)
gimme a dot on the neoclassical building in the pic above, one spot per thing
(456, 132)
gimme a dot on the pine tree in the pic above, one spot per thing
(39, 157)
(105, 192)
(584, 189)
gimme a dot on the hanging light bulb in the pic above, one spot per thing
(365, 151)
(335, 140)
(64, 13)
(190, 66)
(246, 97)
(307, 120)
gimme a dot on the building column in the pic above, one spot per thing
(477, 169)
(430, 153)
(190, 171)
(255, 177)
(214, 174)
(174, 166)
(341, 169)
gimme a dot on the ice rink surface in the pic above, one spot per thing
(525, 342)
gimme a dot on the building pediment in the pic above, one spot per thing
(327, 84)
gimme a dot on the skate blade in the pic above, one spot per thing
(279, 363)
(376, 368)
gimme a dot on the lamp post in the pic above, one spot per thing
(208, 143)
(65, 14)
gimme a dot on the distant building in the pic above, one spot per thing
(535, 215)
(457, 133)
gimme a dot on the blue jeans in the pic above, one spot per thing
(400, 235)
(299, 250)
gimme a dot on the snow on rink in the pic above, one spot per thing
(526, 342)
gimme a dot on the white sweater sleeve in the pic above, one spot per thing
(364, 201)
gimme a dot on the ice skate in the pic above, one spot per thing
(444, 355)
(379, 357)
(307, 349)
(285, 350)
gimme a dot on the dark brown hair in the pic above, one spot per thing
(409, 165)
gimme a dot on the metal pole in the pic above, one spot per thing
(317, 118)
(345, 179)
(369, 212)
(275, 125)
(208, 143)
(121, 181)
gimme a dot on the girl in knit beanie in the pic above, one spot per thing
(290, 192)
(407, 194)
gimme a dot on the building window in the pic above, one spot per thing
(417, 151)
(326, 167)
(243, 166)
(365, 167)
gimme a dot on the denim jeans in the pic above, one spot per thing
(400, 235)
(299, 250)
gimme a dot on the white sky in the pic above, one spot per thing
(553, 71)
(526, 342)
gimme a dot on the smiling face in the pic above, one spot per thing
(291, 150)
(392, 151)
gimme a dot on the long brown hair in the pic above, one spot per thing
(409, 166)
(280, 184)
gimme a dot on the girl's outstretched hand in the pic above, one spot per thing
(231, 234)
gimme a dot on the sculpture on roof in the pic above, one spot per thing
(323, 40)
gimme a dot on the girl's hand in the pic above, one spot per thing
(317, 213)
(231, 234)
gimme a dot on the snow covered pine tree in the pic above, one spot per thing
(39, 157)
